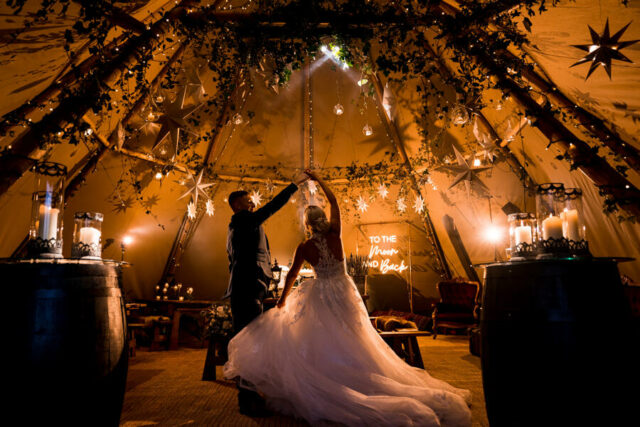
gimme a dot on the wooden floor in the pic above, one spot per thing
(164, 387)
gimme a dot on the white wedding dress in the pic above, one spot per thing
(319, 358)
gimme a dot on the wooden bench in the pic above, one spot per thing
(404, 342)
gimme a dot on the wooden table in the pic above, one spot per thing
(404, 342)
(175, 309)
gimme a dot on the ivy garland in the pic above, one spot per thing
(281, 36)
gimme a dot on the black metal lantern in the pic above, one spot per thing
(276, 271)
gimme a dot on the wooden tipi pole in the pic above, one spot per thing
(15, 161)
(398, 144)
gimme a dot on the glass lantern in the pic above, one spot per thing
(573, 227)
(550, 202)
(45, 232)
(522, 235)
(87, 230)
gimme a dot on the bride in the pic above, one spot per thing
(318, 357)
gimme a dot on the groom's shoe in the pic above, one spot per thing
(256, 409)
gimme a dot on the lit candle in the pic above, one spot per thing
(552, 228)
(90, 236)
(570, 224)
(48, 222)
(523, 234)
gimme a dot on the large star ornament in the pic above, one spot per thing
(197, 187)
(173, 120)
(603, 49)
(466, 172)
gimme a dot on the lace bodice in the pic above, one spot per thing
(327, 265)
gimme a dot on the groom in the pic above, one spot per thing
(250, 270)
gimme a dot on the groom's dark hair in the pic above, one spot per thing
(235, 196)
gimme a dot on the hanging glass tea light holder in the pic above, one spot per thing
(549, 206)
(573, 226)
(45, 231)
(522, 235)
(87, 232)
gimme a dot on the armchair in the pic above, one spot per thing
(458, 305)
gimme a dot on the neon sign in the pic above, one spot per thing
(380, 257)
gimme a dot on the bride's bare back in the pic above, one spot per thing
(311, 254)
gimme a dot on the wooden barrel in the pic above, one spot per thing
(556, 344)
(69, 341)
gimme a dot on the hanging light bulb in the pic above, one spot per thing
(159, 99)
(459, 115)
(158, 175)
(477, 162)
(338, 109)
(367, 130)
(237, 119)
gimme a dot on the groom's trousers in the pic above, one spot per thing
(245, 308)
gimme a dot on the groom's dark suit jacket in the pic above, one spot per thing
(248, 248)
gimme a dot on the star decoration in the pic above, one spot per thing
(121, 205)
(269, 186)
(466, 172)
(256, 197)
(382, 191)
(418, 205)
(194, 84)
(191, 210)
(362, 204)
(118, 136)
(173, 120)
(210, 208)
(603, 49)
(197, 188)
(401, 204)
(151, 201)
(489, 150)
(312, 187)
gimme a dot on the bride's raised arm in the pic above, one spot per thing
(334, 218)
(292, 274)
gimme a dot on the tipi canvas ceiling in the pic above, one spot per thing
(284, 128)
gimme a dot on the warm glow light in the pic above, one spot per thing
(593, 47)
(476, 162)
(493, 234)
(362, 82)
(334, 53)
(158, 175)
(127, 240)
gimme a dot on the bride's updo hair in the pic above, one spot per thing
(316, 220)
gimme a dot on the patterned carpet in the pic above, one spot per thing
(164, 387)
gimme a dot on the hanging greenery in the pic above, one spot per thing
(394, 39)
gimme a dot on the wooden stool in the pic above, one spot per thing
(161, 331)
(131, 336)
(405, 344)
